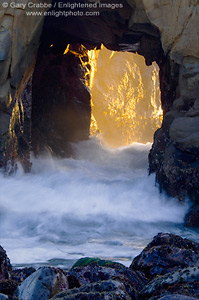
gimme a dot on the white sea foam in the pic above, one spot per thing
(100, 203)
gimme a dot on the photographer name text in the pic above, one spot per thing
(62, 5)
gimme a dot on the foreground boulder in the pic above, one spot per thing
(166, 253)
(167, 269)
(89, 270)
(42, 284)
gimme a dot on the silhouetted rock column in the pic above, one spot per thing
(61, 107)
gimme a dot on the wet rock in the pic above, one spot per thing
(89, 270)
(8, 286)
(108, 290)
(5, 265)
(176, 175)
(20, 275)
(42, 284)
(177, 171)
(166, 253)
(184, 281)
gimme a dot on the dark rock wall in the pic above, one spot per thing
(61, 108)
(19, 39)
(174, 155)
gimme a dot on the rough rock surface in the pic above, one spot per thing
(184, 281)
(97, 278)
(174, 155)
(111, 289)
(89, 270)
(20, 275)
(166, 253)
(176, 20)
(8, 286)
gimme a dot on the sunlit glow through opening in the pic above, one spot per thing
(126, 105)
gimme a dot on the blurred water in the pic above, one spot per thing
(99, 203)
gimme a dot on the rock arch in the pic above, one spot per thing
(161, 31)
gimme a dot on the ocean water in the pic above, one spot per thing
(100, 203)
